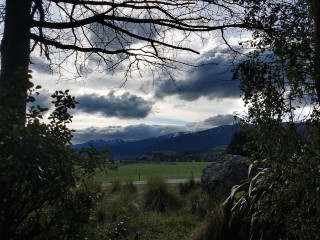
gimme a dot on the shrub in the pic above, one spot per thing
(43, 194)
(158, 198)
(282, 200)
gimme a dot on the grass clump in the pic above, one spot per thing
(129, 186)
(101, 213)
(157, 196)
(198, 202)
(186, 187)
(123, 202)
(213, 227)
(95, 186)
(116, 185)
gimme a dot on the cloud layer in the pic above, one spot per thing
(126, 106)
(212, 122)
(143, 131)
(132, 132)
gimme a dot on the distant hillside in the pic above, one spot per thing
(171, 143)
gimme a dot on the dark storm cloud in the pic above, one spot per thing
(212, 81)
(132, 132)
(126, 106)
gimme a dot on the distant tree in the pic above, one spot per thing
(133, 34)
(239, 143)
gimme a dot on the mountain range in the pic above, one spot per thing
(171, 143)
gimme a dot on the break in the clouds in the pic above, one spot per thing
(213, 81)
(126, 106)
(143, 131)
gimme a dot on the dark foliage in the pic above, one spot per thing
(43, 194)
(240, 143)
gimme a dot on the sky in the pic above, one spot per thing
(202, 99)
(199, 98)
(147, 105)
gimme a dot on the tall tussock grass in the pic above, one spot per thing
(186, 187)
(116, 186)
(95, 186)
(198, 202)
(213, 228)
(158, 197)
(129, 186)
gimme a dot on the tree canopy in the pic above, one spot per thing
(129, 35)
(43, 182)
(280, 84)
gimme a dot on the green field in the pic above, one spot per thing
(167, 170)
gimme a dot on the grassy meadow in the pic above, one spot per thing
(166, 170)
(157, 210)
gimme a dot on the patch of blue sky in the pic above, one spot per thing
(165, 121)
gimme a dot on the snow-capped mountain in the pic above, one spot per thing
(170, 143)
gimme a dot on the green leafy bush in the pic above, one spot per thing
(280, 82)
(43, 192)
(281, 201)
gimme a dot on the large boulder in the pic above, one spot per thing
(220, 176)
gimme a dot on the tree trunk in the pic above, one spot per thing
(15, 53)
(316, 17)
